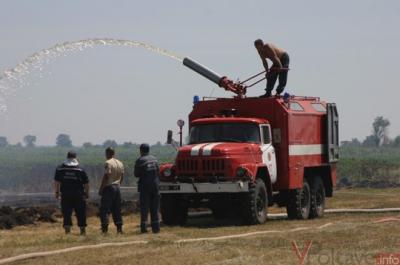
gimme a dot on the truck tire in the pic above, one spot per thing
(317, 198)
(174, 210)
(298, 205)
(254, 204)
(167, 209)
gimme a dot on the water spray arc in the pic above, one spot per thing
(57, 50)
(13, 78)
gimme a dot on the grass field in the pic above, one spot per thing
(335, 239)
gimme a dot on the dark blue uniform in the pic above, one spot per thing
(147, 170)
(72, 179)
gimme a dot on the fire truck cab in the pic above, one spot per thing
(245, 154)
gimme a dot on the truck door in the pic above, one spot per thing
(268, 151)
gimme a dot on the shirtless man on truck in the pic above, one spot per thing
(280, 59)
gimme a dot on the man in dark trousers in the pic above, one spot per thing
(280, 65)
(147, 170)
(110, 192)
(72, 184)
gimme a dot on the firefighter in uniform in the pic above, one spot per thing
(110, 192)
(147, 170)
(72, 184)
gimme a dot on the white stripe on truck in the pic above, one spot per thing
(208, 148)
(306, 149)
(196, 149)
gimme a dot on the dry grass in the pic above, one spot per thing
(350, 239)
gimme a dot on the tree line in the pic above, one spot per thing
(379, 136)
(63, 140)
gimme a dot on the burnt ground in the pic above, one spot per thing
(16, 216)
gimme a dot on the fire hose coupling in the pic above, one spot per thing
(229, 85)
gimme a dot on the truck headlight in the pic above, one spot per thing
(241, 172)
(167, 172)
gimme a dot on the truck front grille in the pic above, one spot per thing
(209, 166)
(188, 165)
(213, 164)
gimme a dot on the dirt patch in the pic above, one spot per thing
(11, 217)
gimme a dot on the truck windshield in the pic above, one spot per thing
(225, 132)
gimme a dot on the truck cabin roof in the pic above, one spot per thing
(228, 120)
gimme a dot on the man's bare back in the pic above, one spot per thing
(272, 52)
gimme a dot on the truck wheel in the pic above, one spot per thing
(174, 210)
(167, 209)
(317, 198)
(298, 205)
(254, 204)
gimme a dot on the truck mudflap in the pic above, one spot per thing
(220, 187)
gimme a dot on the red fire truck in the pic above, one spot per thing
(246, 153)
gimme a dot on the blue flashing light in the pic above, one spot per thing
(286, 97)
(196, 100)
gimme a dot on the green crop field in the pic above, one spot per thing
(32, 169)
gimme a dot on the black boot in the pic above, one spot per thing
(278, 92)
(104, 229)
(155, 227)
(67, 229)
(266, 95)
(83, 231)
(143, 228)
(119, 229)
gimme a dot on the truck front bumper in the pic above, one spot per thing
(220, 187)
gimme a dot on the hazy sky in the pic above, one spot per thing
(343, 51)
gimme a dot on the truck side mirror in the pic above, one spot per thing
(169, 137)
